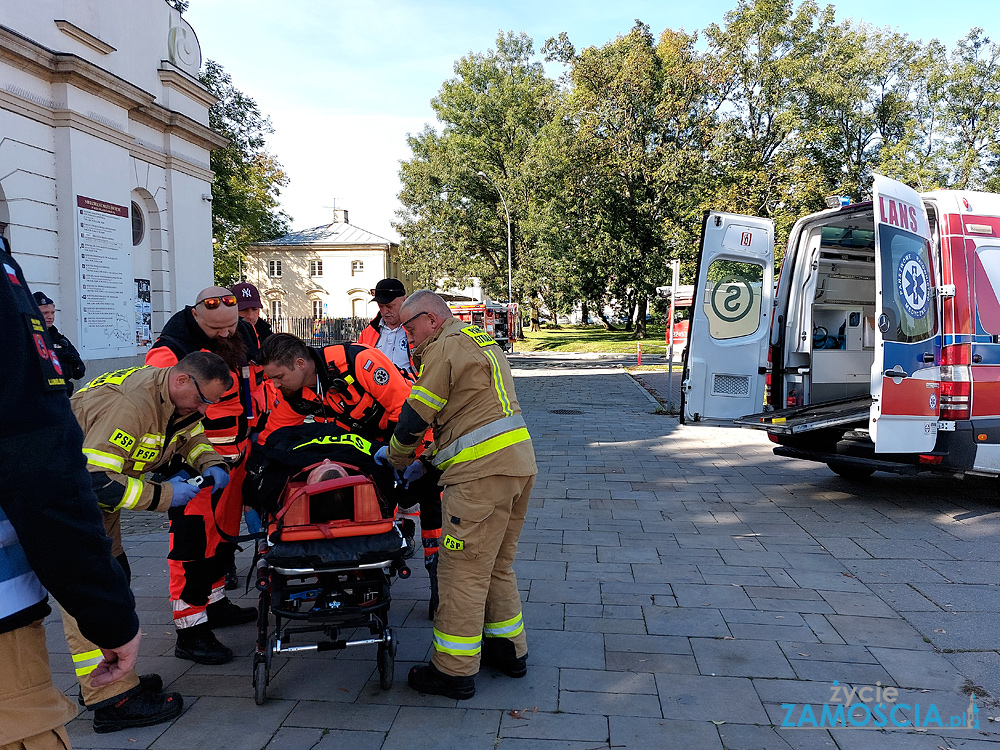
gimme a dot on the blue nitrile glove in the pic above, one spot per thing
(413, 472)
(252, 518)
(382, 456)
(219, 477)
(183, 493)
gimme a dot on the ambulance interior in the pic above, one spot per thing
(830, 329)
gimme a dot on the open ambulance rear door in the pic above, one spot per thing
(730, 319)
(905, 378)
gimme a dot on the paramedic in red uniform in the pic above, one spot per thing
(199, 558)
(385, 332)
(51, 532)
(465, 392)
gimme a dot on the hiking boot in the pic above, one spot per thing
(499, 653)
(151, 683)
(232, 578)
(223, 613)
(139, 709)
(429, 680)
(199, 644)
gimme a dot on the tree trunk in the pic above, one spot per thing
(640, 317)
(605, 322)
(584, 313)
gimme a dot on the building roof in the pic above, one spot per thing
(338, 233)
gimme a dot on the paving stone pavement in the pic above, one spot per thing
(680, 584)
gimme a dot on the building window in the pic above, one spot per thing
(138, 225)
(317, 309)
(275, 306)
(357, 266)
(315, 268)
(274, 269)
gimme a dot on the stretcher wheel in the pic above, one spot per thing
(387, 660)
(260, 678)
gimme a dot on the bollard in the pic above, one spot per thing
(638, 352)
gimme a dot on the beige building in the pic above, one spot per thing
(323, 272)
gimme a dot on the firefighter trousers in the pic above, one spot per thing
(482, 522)
(86, 655)
(199, 557)
(32, 711)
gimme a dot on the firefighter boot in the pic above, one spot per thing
(431, 564)
(151, 683)
(199, 644)
(138, 708)
(232, 578)
(499, 653)
(431, 681)
(224, 613)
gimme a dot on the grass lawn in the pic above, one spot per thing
(577, 338)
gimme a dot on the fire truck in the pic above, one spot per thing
(498, 319)
(880, 348)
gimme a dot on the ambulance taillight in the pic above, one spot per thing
(956, 382)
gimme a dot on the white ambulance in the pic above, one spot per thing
(880, 348)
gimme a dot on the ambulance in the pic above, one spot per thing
(879, 348)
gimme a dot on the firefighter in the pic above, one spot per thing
(138, 423)
(69, 358)
(50, 532)
(199, 557)
(465, 392)
(358, 388)
(385, 332)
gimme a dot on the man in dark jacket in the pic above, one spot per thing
(249, 304)
(51, 533)
(70, 359)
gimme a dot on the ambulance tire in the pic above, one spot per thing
(851, 472)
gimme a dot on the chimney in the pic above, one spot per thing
(340, 216)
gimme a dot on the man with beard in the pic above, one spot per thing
(199, 557)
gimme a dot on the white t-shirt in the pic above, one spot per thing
(393, 344)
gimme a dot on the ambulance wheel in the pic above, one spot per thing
(387, 660)
(260, 677)
(851, 472)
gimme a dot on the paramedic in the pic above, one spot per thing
(249, 305)
(466, 393)
(50, 532)
(199, 558)
(385, 332)
(139, 421)
(69, 358)
(358, 388)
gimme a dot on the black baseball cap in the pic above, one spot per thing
(41, 299)
(387, 290)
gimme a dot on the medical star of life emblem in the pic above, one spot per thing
(912, 285)
(380, 376)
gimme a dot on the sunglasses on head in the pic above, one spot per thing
(211, 303)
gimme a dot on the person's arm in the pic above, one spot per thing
(161, 356)
(383, 380)
(428, 397)
(282, 415)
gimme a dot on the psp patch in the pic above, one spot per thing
(450, 542)
(122, 439)
(380, 376)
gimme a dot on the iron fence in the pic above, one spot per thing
(320, 331)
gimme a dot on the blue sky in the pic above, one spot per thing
(344, 82)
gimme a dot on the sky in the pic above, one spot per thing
(344, 83)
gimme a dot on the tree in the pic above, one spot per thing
(248, 179)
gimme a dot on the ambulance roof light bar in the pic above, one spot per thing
(838, 201)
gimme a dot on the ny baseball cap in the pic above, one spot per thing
(247, 295)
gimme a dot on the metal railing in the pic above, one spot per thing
(321, 331)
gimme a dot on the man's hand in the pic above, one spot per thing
(218, 475)
(117, 662)
(382, 456)
(413, 472)
(183, 493)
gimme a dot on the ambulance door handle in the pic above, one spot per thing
(896, 373)
(928, 357)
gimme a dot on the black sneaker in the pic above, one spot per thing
(499, 653)
(428, 679)
(151, 683)
(223, 613)
(232, 579)
(139, 709)
(199, 644)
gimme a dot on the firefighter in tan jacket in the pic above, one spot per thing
(465, 392)
(139, 425)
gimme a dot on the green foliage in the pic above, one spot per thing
(608, 169)
(248, 179)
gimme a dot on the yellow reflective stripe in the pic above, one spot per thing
(197, 430)
(498, 385)
(406, 450)
(487, 447)
(457, 645)
(198, 450)
(85, 663)
(103, 460)
(133, 490)
(506, 629)
(424, 396)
